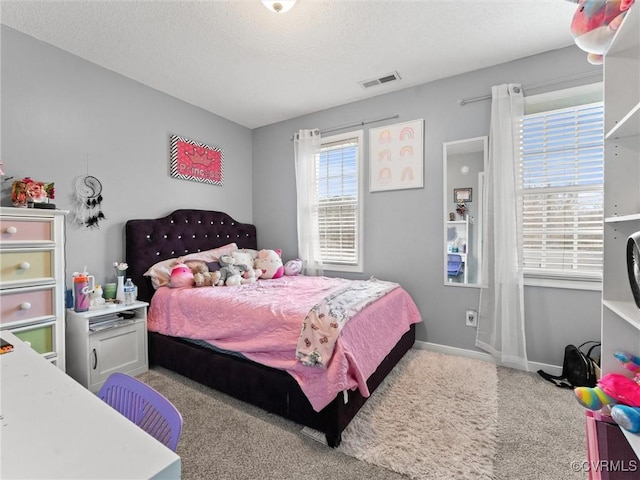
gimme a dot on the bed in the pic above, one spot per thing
(187, 231)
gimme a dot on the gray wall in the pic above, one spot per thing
(58, 109)
(403, 230)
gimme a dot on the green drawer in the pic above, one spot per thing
(41, 338)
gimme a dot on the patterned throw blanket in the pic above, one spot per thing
(322, 326)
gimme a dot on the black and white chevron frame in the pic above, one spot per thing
(196, 161)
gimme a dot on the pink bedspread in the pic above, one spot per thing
(263, 322)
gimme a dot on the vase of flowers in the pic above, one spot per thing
(121, 272)
(28, 190)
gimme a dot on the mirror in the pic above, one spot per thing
(463, 172)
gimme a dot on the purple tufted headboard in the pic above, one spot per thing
(177, 234)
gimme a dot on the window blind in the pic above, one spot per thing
(337, 189)
(561, 191)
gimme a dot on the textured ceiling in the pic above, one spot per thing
(238, 60)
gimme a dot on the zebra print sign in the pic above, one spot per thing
(196, 161)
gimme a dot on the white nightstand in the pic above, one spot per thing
(96, 350)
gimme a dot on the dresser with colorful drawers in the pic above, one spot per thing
(32, 286)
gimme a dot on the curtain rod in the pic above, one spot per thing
(464, 101)
(356, 124)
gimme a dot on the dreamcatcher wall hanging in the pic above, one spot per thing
(88, 201)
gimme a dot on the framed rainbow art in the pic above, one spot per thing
(396, 156)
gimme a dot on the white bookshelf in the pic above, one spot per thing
(620, 315)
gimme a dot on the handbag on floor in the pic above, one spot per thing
(578, 368)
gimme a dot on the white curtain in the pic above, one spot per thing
(501, 327)
(305, 146)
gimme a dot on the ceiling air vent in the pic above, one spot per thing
(391, 77)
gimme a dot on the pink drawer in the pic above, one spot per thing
(21, 230)
(25, 305)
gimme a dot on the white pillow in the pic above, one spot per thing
(160, 273)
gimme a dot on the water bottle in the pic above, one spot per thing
(129, 292)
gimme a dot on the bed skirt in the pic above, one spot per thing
(270, 389)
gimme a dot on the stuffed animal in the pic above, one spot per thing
(293, 267)
(181, 276)
(206, 279)
(270, 263)
(251, 275)
(616, 392)
(595, 23)
(95, 297)
(230, 274)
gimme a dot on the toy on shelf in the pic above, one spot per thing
(595, 23)
(616, 394)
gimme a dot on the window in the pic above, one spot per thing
(339, 190)
(561, 192)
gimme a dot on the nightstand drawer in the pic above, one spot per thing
(23, 305)
(25, 265)
(25, 230)
(41, 337)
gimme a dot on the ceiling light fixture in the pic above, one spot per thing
(279, 7)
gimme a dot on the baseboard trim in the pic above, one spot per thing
(463, 352)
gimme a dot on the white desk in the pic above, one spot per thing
(51, 427)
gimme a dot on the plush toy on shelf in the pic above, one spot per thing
(616, 393)
(595, 23)
(95, 297)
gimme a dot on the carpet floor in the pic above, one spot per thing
(481, 423)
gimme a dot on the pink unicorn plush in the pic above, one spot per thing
(595, 23)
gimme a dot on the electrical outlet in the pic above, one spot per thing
(472, 318)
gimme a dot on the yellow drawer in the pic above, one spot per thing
(25, 265)
(24, 305)
(25, 230)
(41, 337)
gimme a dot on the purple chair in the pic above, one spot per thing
(144, 406)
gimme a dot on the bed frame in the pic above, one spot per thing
(189, 231)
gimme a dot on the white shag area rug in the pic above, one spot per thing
(434, 417)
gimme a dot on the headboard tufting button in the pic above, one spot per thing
(193, 236)
(148, 236)
(179, 236)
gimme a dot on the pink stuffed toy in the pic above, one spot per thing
(270, 263)
(293, 267)
(181, 276)
(595, 23)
